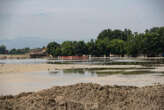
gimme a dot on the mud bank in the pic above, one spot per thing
(5, 56)
(87, 97)
(21, 68)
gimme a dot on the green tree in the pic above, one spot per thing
(27, 49)
(57, 51)
(154, 41)
(161, 38)
(126, 34)
(80, 48)
(92, 49)
(117, 46)
(152, 44)
(135, 45)
(102, 47)
(105, 34)
(67, 48)
(53, 48)
(2, 49)
(19, 51)
(13, 51)
(115, 34)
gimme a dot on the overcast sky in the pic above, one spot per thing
(34, 23)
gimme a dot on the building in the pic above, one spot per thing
(73, 57)
(38, 53)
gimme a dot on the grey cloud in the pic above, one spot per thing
(75, 19)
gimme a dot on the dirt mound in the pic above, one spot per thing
(87, 97)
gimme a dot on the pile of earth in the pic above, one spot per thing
(87, 97)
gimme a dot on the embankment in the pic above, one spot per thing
(87, 97)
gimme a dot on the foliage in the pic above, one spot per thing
(115, 34)
(80, 48)
(119, 42)
(53, 48)
(19, 51)
(92, 49)
(150, 43)
(135, 45)
(117, 47)
(67, 48)
(102, 47)
(2, 49)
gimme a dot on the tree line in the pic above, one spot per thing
(117, 42)
(3, 50)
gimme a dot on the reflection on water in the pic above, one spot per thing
(14, 83)
(23, 61)
(25, 82)
(21, 82)
(109, 71)
(111, 61)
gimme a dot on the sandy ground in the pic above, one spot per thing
(24, 56)
(160, 68)
(88, 97)
(83, 96)
(15, 68)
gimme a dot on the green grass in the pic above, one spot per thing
(125, 72)
(118, 70)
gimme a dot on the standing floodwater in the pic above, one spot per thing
(122, 74)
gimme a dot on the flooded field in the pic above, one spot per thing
(101, 61)
(23, 61)
(144, 75)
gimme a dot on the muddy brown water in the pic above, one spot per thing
(25, 82)
(15, 83)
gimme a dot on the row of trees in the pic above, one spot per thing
(93, 47)
(118, 42)
(67, 48)
(3, 50)
(150, 43)
(19, 51)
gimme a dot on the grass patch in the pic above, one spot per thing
(118, 70)
(125, 72)
(82, 71)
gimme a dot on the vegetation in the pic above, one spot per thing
(19, 51)
(3, 49)
(117, 42)
(53, 48)
(117, 47)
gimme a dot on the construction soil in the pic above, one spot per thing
(87, 96)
